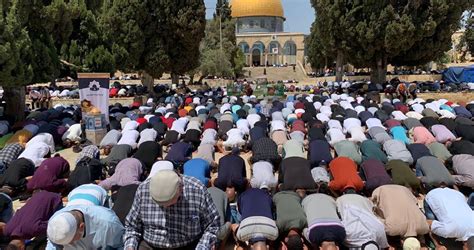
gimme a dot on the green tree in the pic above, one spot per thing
(86, 49)
(37, 35)
(239, 63)
(223, 10)
(156, 36)
(380, 32)
(318, 56)
(220, 55)
(466, 44)
(15, 53)
(215, 63)
(45, 23)
(329, 32)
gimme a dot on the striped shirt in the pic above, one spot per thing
(88, 195)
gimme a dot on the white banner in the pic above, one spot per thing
(95, 90)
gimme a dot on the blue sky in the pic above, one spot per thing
(299, 14)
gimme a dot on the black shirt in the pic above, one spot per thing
(256, 133)
(295, 173)
(193, 136)
(87, 171)
(462, 147)
(448, 123)
(465, 131)
(171, 137)
(418, 150)
(224, 127)
(381, 115)
(123, 200)
(364, 116)
(316, 134)
(15, 174)
(428, 122)
(147, 153)
(143, 126)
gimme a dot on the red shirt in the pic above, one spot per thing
(299, 105)
(113, 92)
(188, 100)
(168, 121)
(392, 123)
(298, 125)
(403, 108)
(182, 112)
(141, 120)
(344, 172)
(210, 124)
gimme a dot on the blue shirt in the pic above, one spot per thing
(248, 206)
(399, 133)
(88, 194)
(199, 169)
(103, 229)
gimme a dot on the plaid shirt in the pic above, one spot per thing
(194, 216)
(89, 151)
(10, 153)
(265, 149)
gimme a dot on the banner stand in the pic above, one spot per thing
(94, 96)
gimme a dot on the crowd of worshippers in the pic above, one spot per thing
(40, 96)
(327, 172)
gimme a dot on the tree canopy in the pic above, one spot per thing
(27, 49)
(225, 61)
(329, 31)
(86, 49)
(467, 40)
(375, 33)
(15, 48)
(156, 36)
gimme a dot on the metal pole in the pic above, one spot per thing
(220, 36)
(220, 28)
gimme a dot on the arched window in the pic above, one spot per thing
(260, 46)
(244, 47)
(290, 48)
(274, 46)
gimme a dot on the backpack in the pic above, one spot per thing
(87, 171)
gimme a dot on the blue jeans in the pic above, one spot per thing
(419, 172)
(470, 201)
(7, 213)
(3, 167)
(235, 215)
(428, 212)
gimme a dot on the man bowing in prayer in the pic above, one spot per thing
(173, 212)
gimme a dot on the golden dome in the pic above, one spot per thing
(246, 8)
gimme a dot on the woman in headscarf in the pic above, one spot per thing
(148, 153)
(128, 171)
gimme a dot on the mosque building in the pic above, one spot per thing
(261, 35)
